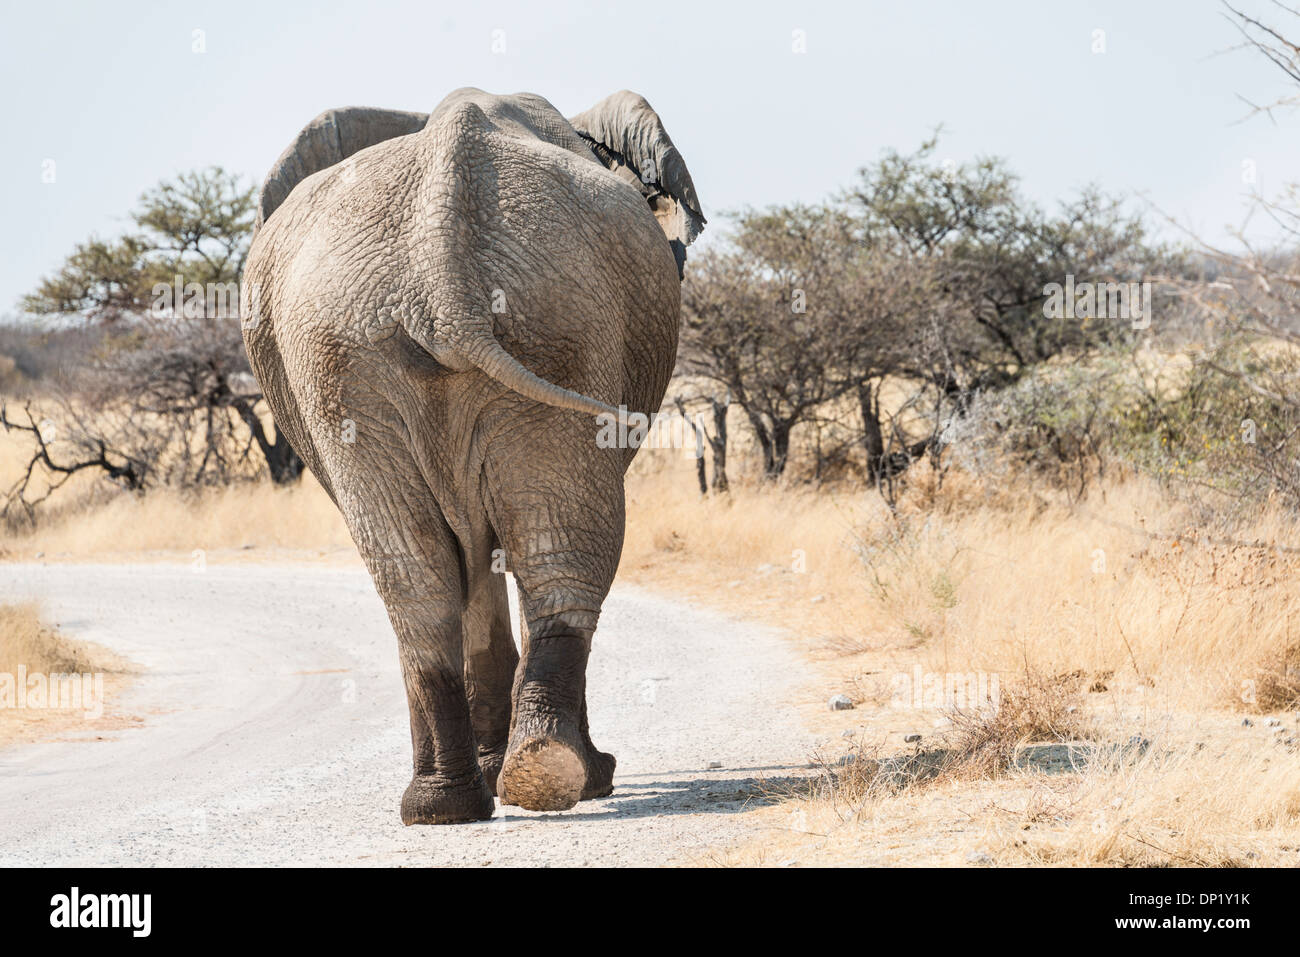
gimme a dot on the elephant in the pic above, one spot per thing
(442, 310)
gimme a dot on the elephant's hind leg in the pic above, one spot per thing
(559, 514)
(600, 765)
(490, 660)
(416, 565)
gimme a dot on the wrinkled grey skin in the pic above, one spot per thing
(437, 308)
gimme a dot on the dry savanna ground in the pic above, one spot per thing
(1148, 678)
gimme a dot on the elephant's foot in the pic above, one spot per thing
(600, 774)
(546, 761)
(597, 774)
(431, 800)
(490, 765)
(543, 773)
(548, 773)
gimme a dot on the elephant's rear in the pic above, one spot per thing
(463, 297)
(541, 249)
(258, 323)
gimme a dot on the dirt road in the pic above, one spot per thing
(274, 730)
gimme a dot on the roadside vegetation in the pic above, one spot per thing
(29, 646)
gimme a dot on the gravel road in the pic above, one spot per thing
(274, 730)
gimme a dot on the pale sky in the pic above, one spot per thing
(116, 96)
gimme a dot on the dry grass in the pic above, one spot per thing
(1036, 723)
(1128, 644)
(244, 521)
(257, 515)
(89, 518)
(987, 742)
(24, 640)
(1183, 805)
(29, 644)
(1121, 588)
(1170, 801)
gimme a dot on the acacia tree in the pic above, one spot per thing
(197, 226)
(927, 275)
(174, 361)
(991, 254)
(791, 314)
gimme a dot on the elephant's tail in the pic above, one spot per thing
(455, 331)
(490, 357)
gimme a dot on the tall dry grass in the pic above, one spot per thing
(88, 517)
(30, 643)
(26, 640)
(1130, 644)
(1122, 587)
(298, 519)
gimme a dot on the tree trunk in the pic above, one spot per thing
(282, 461)
(700, 467)
(699, 447)
(780, 448)
(873, 440)
(718, 443)
(764, 442)
(285, 464)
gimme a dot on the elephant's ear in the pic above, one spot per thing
(330, 138)
(627, 135)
